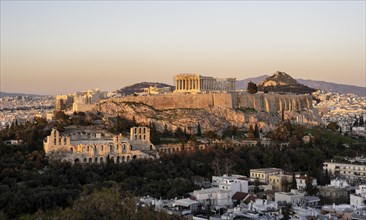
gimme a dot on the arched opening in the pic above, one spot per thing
(173, 149)
(118, 160)
(95, 148)
(90, 160)
(128, 159)
(71, 150)
(112, 159)
(87, 148)
(77, 160)
(123, 158)
(124, 147)
(96, 160)
(110, 148)
(101, 148)
(84, 160)
(134, 157)
(151, 147)
(131, 147)
(101, 160)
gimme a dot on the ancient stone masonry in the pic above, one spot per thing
(270, 103)
(194, 83)
(91, 146)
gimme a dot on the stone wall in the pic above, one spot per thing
(273, 102)
(182, 101)
(260, 101)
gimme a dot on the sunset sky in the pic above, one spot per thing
(52, 47)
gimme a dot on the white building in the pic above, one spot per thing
(215, 196)
(359, 198)
(294, 197)
(234, 183)
(301, 181)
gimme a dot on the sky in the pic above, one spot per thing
(54, 47)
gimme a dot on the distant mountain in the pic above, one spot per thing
(334, 87)
(325, 86)
(282, 82)
(5, 94)
(139, 87)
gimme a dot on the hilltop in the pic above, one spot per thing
(139, 87)
(316, 84)
(282, 82)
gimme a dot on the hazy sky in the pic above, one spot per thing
(50, 47)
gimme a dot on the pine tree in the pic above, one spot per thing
(199, 132)
(252, 88)
(293, 184)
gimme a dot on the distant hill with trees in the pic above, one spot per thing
(282, 82)
(316, 84)
(139, 87)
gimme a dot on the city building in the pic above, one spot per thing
(350, 171)
(359, 198)
(194, 83)
(294, 197)
(234, 183)
(301, 181)
(280, 182)
(213, 196)
(263, 174)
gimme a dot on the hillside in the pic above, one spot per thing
(139, 87)
(322, 85)
(282, 82)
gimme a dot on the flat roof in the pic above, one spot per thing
(266, 170)
(185, 202)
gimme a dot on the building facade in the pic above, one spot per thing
(194, 83)
(350, 171)
(91, 146)
(234, 183)
(263, 174)
(359, 198)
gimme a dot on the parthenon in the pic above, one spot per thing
(194, 83)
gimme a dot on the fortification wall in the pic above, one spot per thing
(260, 101)
(176, 100)
(273, 102)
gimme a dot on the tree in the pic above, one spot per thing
(287, 211)
(293, 183)
(256, 131)
(199, 132)
(252, 88)
(333, 126)
(256, 186)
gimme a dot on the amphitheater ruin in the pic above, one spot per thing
(94, 146)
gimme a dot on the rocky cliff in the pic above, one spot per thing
(214, 111)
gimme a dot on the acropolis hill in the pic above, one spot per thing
(270, 103)
(212, 103)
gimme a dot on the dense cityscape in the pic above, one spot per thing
(197, 110)
(77, 132)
